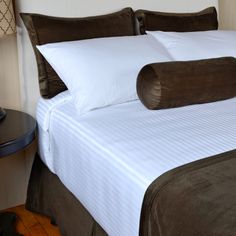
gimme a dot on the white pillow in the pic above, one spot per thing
(198, 45)
(103, 71)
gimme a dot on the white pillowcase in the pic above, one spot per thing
(103, 71)
(197, 45)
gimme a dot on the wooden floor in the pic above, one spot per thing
(30, 224)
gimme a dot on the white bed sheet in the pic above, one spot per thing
(108, 157)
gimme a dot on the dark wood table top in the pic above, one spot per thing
(17, 131)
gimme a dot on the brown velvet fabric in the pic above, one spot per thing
(179, 22)
(175, 84)
(47, 29)
(198, 199)
(48, 196)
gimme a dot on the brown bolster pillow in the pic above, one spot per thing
(176, 84)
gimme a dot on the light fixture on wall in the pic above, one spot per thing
(7, 26)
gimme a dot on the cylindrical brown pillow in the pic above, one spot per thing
(176, 84)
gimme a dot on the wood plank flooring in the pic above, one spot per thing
(30, 224)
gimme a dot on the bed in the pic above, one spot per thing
(199, 118)
(123, 169)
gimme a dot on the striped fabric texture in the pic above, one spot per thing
(108, 157)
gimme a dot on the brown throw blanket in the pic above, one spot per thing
(197, 199)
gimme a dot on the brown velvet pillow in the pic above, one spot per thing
(178, 22)
(47, 29)
(176, 84)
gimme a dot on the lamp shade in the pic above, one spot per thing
(7, 18)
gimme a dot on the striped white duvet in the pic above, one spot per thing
(108, 157)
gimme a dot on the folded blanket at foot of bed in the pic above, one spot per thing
(195, 199)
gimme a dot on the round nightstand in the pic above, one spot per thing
(17, 131)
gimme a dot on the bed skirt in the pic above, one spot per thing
(48, 196)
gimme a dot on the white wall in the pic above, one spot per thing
(19, 84)
(14, 175)
(9, 75)
(93, 7)
(227, 14)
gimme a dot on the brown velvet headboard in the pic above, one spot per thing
(47, 29)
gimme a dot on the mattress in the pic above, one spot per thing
(108, 157)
